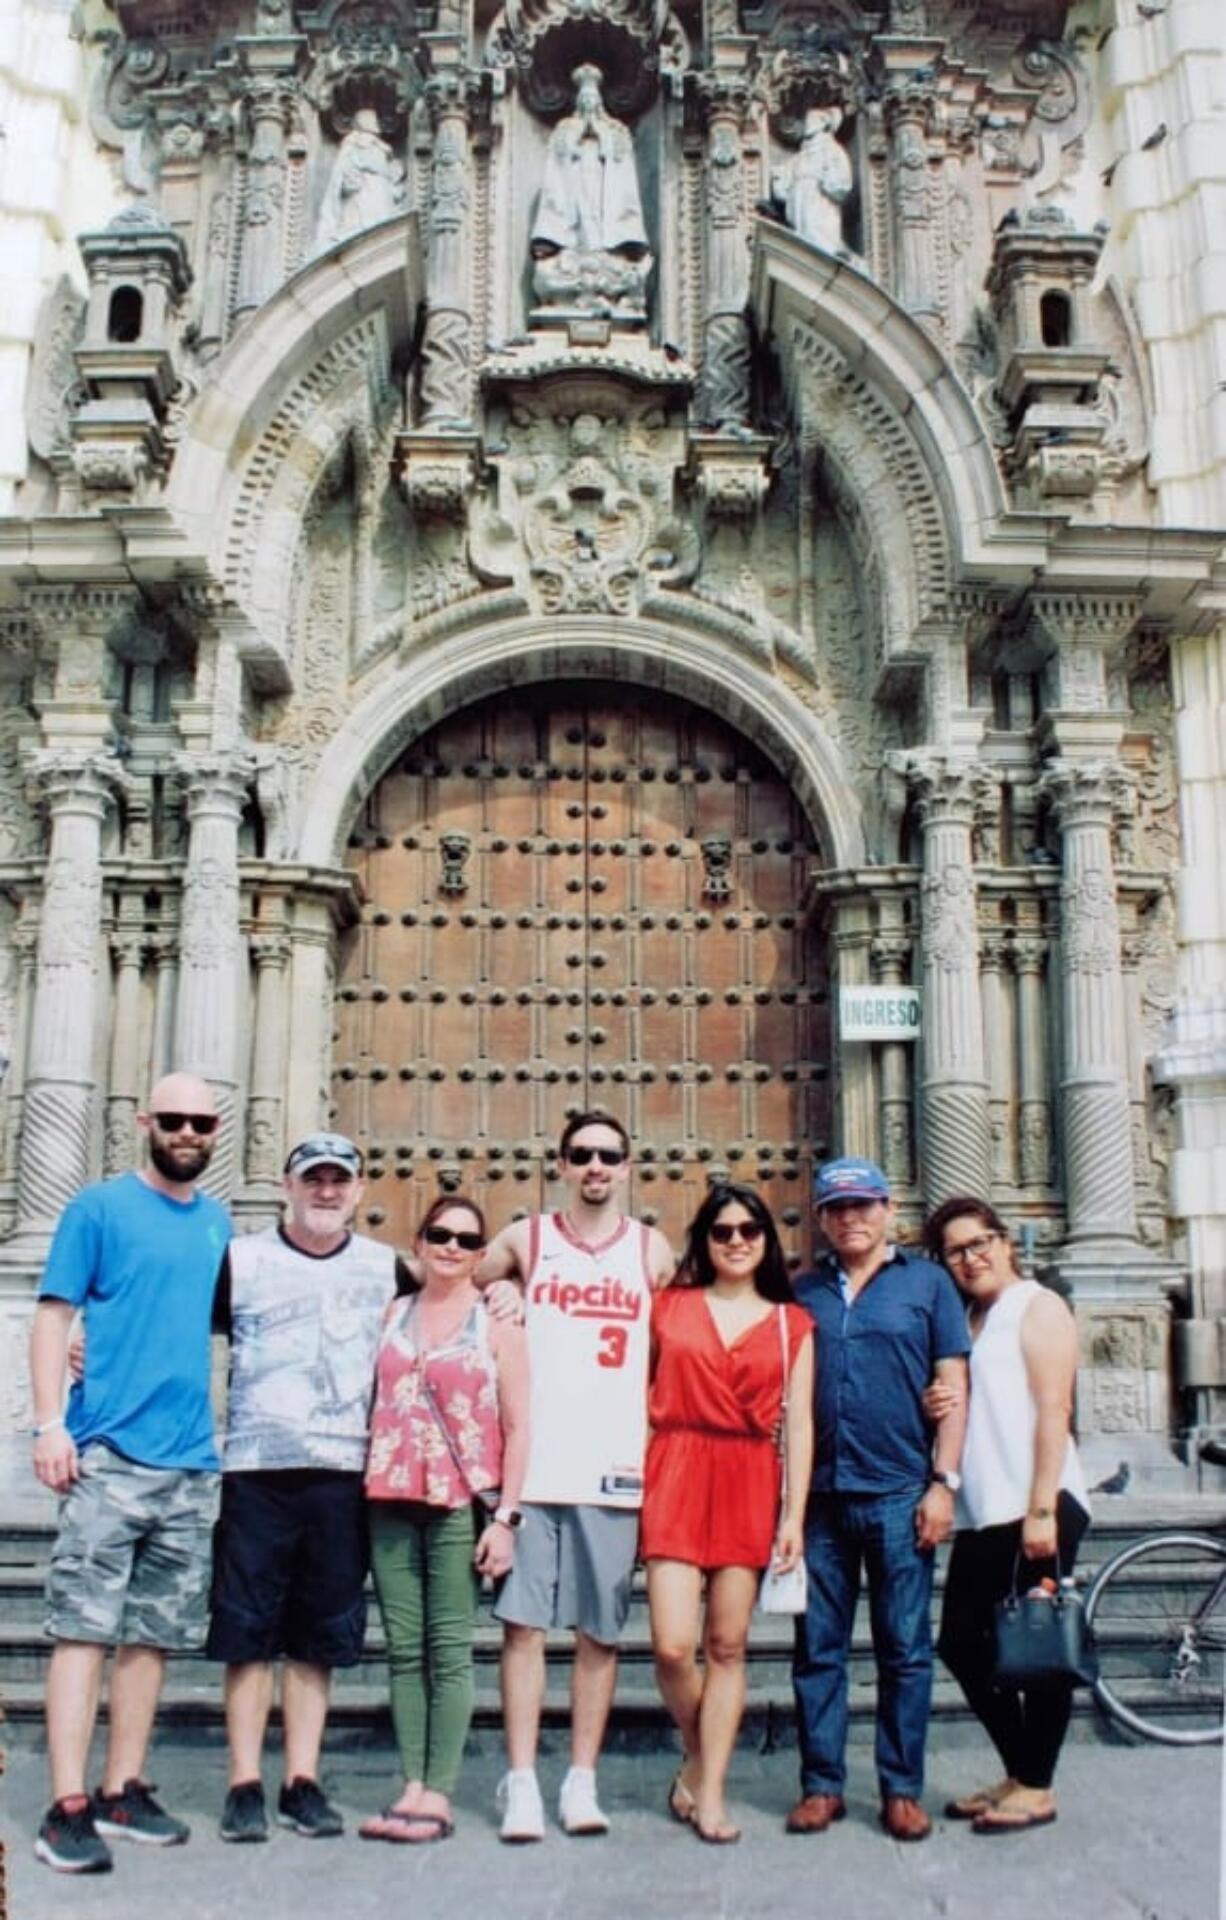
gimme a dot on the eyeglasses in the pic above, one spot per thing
(607, 1156)
(724, 1232)
(969, 1250)
(443, 1237)
(201, 1123)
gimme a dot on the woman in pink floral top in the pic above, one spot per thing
(449, 1424)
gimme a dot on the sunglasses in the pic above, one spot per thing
(724, 1232)
(443, 1237)
(201, 1123)
(607, 1156)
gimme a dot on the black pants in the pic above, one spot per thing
(1027, 1724)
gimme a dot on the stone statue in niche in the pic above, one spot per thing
(588, 239)
(367, 183)
(813, 186)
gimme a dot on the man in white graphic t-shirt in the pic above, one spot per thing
(588, 1274)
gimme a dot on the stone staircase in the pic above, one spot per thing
(192, 1696)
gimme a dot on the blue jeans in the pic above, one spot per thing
(843, 1531)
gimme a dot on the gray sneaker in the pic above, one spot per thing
(68, 1839)
(243, 1817)
(303, 1807)
(134, 1814)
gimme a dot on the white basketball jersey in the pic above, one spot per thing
(588, 1318)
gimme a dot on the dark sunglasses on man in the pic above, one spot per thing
(607, 1156)
(201, 1123)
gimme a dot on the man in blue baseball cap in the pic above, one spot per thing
(882, 1496)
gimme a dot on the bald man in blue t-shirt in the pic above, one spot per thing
(134, 1462)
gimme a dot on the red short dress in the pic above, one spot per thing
(711, 1485)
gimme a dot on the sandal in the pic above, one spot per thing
(396, 1824)
(971, 1805)
(724, 1835)
(681, 1802)
(997, 1821)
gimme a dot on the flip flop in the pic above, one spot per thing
(725, 1835)
(396, 1824)
(971, 1805)
(681, 1802)
(992, 1823)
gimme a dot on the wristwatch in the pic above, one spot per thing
(509, 1517)
(947, 1477)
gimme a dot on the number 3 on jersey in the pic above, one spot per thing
(611, 1351)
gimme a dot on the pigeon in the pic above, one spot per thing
(1116, 1482)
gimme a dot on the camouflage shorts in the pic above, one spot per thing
(133, 1556)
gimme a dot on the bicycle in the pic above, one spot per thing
(1157, 1610)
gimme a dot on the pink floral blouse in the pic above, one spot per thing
(409, 1457)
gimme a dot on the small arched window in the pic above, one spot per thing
(126, 316)
(1056, 320)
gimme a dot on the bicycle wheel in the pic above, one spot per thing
(1158, 1610)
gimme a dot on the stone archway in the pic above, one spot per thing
(577, 897)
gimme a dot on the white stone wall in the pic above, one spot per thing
(1164, 106)
(53, 185)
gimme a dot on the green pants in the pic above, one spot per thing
(423, 1566)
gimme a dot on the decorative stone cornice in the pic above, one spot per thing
(1087, 793)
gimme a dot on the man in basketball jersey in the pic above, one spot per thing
(587, 1274)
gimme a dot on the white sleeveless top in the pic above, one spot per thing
(998, 1458)
(588, 1319)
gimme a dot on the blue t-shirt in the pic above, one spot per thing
(874, 1359)
(143, 1269)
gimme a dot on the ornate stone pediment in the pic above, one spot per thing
(584, 519)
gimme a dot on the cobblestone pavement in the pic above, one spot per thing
(1137, 1839)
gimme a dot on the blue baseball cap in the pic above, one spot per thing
(849, 1180)
(324, 1150)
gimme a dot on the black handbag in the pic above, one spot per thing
(1044, 1636)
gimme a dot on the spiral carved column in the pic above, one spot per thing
(955, 1149)
(57, 1109)
(206, 1013)
(1098, 1166)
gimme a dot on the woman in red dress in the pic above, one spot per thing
(711, 1494)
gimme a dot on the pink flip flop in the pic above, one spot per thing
(397, 1825)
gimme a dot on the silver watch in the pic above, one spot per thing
(947, 1477)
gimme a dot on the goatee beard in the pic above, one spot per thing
(179, 1167)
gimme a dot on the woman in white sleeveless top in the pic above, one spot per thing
(1021, 1508)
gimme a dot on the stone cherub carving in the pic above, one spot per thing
(588, 239)
(367, 183)
(813, 186)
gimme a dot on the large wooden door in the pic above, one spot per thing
(581, 896)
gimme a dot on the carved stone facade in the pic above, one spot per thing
(791, 366)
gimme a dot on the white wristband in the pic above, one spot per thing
(47, 1426)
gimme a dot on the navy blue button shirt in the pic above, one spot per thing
(874, 1359)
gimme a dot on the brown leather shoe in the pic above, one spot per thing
(904, 1818)
(815, 1813)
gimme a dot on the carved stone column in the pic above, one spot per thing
(1098, 1166)
(25, 946)
(446, 374)
(266, 1106)
(954, 1148)
(891, 953)
(123, 1095)
(908, 113)
(725, 397)
(852, 941)
(261, 266)
(1029, 954)
(996, 1053)
(206, 1012)
(57, 1114)
(164, 950)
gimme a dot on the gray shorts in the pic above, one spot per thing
(573, 1568)
(133, 1556)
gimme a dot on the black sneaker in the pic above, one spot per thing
(134, 1814)
(303, 1807)
(243, 1816)
(68, 1839)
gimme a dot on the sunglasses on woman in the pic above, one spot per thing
(725, 1232)
(583, 1156)
(443, 1237)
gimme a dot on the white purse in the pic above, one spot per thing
(784, 1592)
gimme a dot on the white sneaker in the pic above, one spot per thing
(578, 1808)
(523, 1811)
